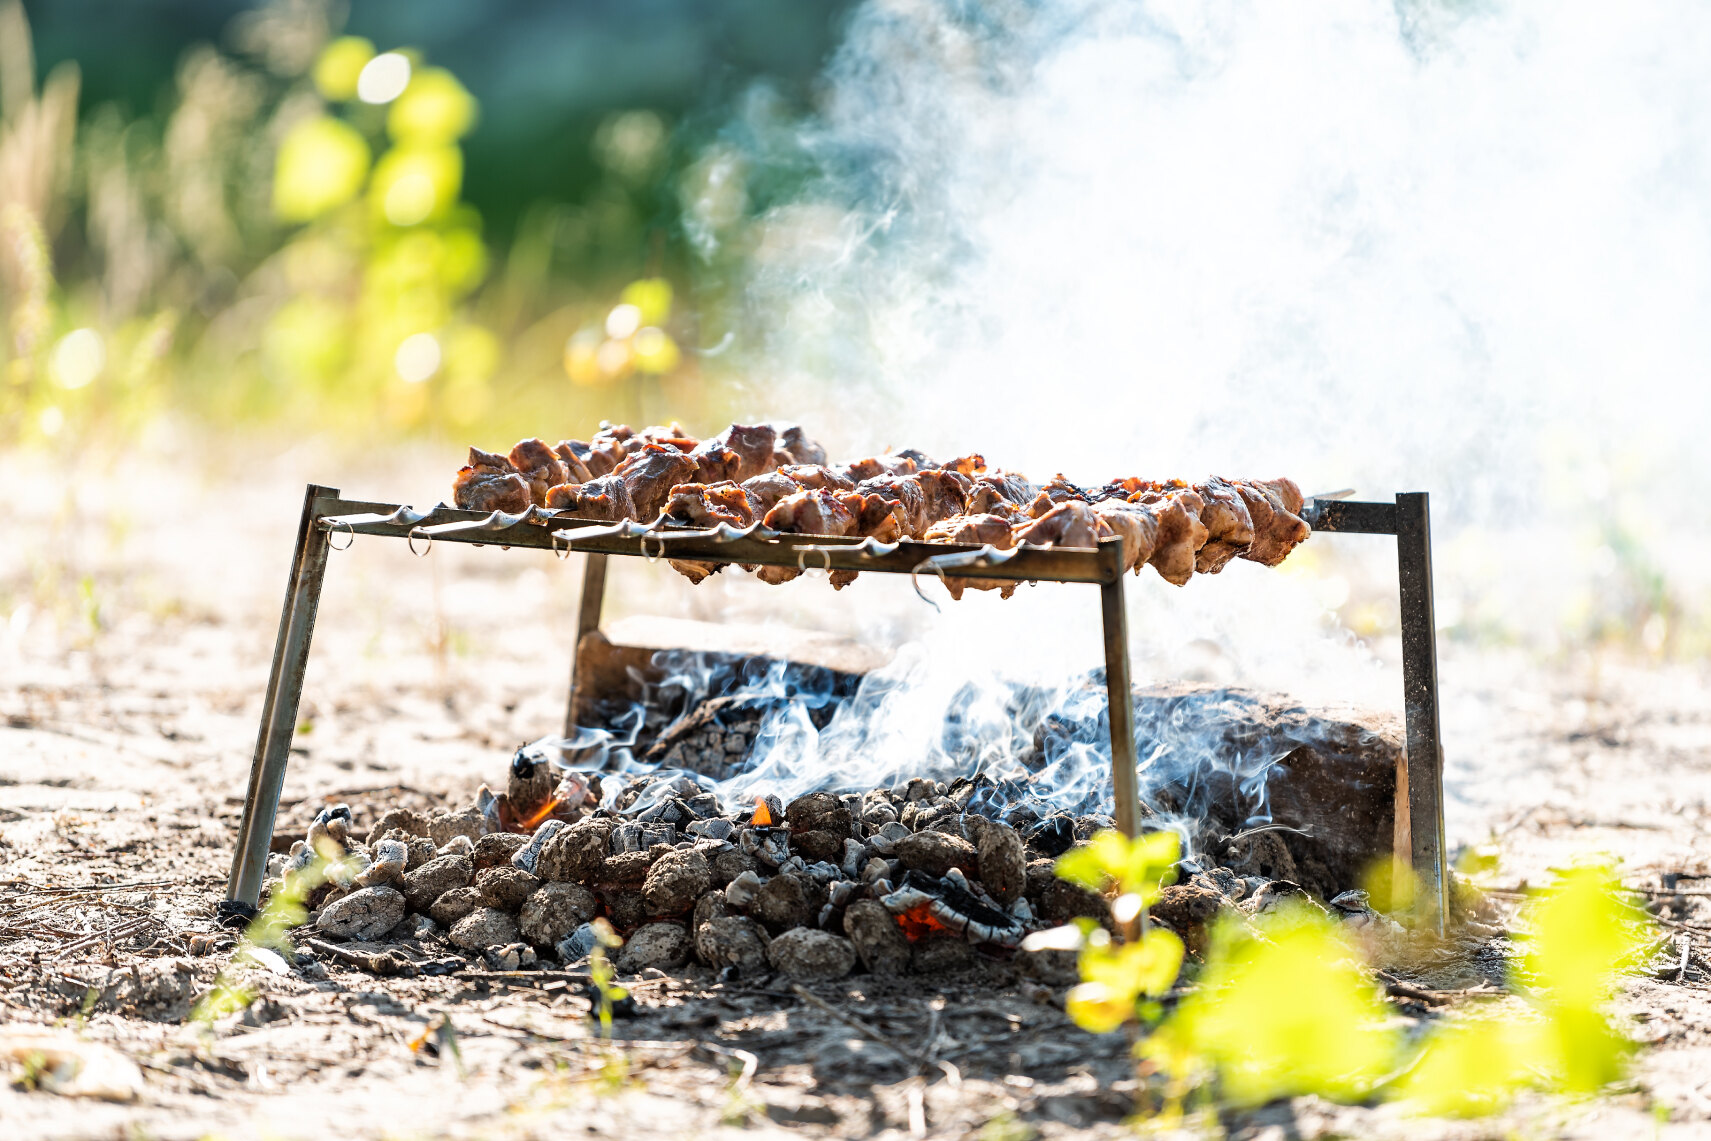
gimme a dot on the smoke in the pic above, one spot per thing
(1459, 247)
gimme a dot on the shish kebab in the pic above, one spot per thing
(777, 476)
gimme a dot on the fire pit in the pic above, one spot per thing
(929, 900)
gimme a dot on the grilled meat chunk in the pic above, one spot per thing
(813, 476)
(975, 529)
(1275, 506)
(817, 512)
(490, 482)
(576, 468)
(1229, 525)
(709, 504)
(794, 447)
(599, 456)
(540, 466)
(1181, 534)
(907, 498)
(651, 473)
(1135, 525)
(605, 497)
(765, 491)
(876, 466)
(1071, 523)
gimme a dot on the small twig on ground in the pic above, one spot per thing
(857, 1024)
(375, 963)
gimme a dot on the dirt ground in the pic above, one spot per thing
(131, 671)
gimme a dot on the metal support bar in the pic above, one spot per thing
(1425, 764)
(279, 709)
(587, 621)
(1120, 701)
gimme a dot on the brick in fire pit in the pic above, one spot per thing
(497, 848)
(454, 905)
(675, 881)
(465, 822)
(661, 945)
(403, 819)
(936, 852)
(576, 853)
(505, 887)
(1002, 861)
(733, 941)
(819, 824)
(436, 877)
(366, 914)
(483, 928)
(788, 900)
(807, 955)
(554, 911)
(876, 937)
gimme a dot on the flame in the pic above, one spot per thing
(763, 815)
(919, 922)
(531, 823)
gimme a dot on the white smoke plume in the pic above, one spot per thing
(1459, 247)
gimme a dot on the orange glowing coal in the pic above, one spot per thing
(535, 821)
(919, 922)
(763, 815)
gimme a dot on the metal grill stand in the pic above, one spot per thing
(1419, 804)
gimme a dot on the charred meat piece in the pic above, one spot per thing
(651, 473)
(753, 446)
(818, 512)
(1229, 525)
(1275, 506)
(715, 463)
(540, 466)
(605, 498)
(1000, 493)
(1071, 523)
(1057, 490)
(907, 498)
(793, 447)
(1135, 525)
(490, 482)
(814, 476)
(709, 504)
(876, 466)
(599, 456)
(815, 513)
(576, 468)
(946, 493)
(1181, 534)
(970, 465)
(978, 530)
(765, 491)
(696, 572)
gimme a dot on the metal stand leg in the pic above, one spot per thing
(587, 621)
(279, 709)
(1120, 701)
(1425, 771)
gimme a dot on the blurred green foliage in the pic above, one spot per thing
(1285, 1004)
(286, 241)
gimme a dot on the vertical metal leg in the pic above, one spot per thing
(1119, 699)
(279, 709)
(587, 621)
(1425, 772)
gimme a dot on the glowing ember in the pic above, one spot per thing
(545, 810)
(919, 922)
(763, 815)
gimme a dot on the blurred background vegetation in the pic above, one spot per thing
(482, 221)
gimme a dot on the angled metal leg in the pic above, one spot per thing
(279, 709)
(1425, 769)
(587, 621)
(1120, 701)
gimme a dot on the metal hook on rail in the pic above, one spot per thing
(410, 541)
(331, 528)
(802, 555)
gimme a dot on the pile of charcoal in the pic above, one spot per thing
(894, 881)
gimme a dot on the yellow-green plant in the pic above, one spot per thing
(1121, 978)
(1582, 936)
